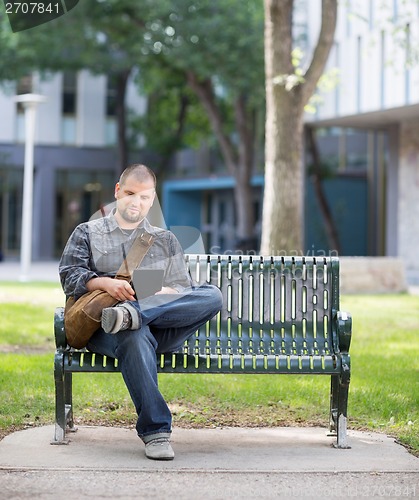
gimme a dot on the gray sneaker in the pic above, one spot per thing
(115, 319)
(121, 317)
(159, 449)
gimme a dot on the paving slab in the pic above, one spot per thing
(104, 462)
(231, 449)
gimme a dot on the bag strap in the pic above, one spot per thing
(135, 255)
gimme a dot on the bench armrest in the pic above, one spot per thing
(59, 332)
(344, 330)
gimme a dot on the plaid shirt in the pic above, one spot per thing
(97, 248)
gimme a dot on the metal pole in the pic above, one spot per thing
(29, 102)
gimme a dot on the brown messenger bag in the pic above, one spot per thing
(82, 317)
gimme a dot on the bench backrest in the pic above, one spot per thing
(272, 305)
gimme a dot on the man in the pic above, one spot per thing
(134, 331)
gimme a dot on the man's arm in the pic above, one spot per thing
(117, 288)
(79, 275)
(75, 267)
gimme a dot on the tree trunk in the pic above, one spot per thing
(121, 79)
(283, 193)
(282, 222)
(286, 96)
(171, 147)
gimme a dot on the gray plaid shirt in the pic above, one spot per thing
(97, 248)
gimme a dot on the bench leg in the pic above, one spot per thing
(338, 410)
(63, 401)
(334, 393)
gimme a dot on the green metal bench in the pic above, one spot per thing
(280, 315)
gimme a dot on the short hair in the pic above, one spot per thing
(141, 172)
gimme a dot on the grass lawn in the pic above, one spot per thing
(383, 396)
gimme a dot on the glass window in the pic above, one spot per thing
(24, 86)
(111, 96)
(111, 128)
(69, 93)
(11, 181)
(68, 107)
(80, 193)
(344, 149)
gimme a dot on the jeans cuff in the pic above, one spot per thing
(135, 315)
(156, 435)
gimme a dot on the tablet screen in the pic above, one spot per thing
(147, 282)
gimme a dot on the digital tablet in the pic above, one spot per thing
(147, 282)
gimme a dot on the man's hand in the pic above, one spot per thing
(117, 288)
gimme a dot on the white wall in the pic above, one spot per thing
(371, 57)
(48, 114)
(89, 121)
(7, 113)
(91, 109)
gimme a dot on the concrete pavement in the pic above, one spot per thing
(38, 271)
(225, 463)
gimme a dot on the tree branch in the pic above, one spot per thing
(322, 50)
(121, 115)
(205, 93)
(246, 137)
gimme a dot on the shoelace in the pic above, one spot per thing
(159, 441)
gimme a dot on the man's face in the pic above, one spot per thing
(134, 199)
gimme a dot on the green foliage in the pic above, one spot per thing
(326, 169)
(218, 40)
(56, 45)
(221, 39)
(174, 119)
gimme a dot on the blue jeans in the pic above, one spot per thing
(166, 322)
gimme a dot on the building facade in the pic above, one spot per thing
(376, 53)
(75, 158)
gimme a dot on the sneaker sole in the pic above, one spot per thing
(109, 318)
(160, 458)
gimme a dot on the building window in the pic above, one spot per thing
(11, 181)
(359, 74)
(408, 65)
(344, 150)
(348, 18)
(24, 86)
(68, 107)
(80, 194)
(395, 11)
(69, 93)
(111, 131)
(371, 15)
